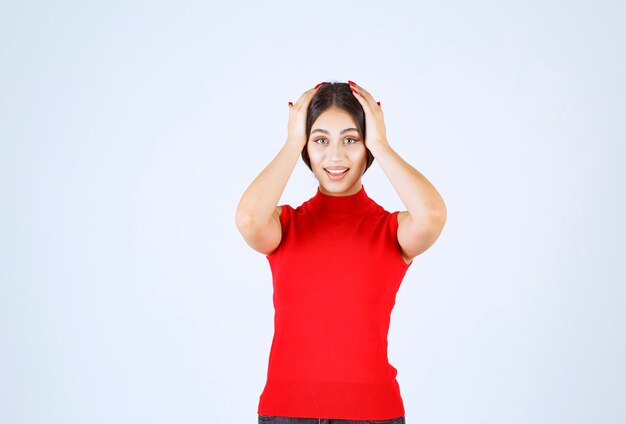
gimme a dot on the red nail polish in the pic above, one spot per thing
(290, 104)
(353, 90)
(319, 85)
(378, 103)
(351, 82)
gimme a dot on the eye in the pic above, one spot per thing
(320, 141)
(350, 140)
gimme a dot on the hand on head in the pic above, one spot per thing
(296, 128)
(374, 118)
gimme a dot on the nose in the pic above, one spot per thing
(335, 151)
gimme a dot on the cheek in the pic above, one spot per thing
(313, 154)
(360, 157)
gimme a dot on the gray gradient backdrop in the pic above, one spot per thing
(129, 131)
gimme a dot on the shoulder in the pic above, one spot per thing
(285, 209)
(416, 236)
(284, 213)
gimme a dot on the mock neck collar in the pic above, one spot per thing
(343, 205)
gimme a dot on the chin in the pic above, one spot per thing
(339, 189)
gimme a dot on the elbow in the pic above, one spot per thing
(244, 221)
(441, 215)
(438, 218)
(249, 222)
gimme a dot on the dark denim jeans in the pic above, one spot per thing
(265, 419)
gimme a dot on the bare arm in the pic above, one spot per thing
(419, 226)
(257, 213)
(258, 216)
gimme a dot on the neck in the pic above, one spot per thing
(343, 205)
(353, 190)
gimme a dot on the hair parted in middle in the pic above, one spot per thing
(340, 95)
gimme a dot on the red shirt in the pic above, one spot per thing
(335, 273)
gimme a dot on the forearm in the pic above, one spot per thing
(262, 196)
(419, 196)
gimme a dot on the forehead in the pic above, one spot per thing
(334, 118)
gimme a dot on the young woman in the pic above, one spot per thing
(337, 261)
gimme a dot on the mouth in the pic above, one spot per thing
(336, 173)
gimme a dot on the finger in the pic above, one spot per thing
(304, 99)
(307, 95)
(358, 87)
(366, 99)
(314, 89)
(364, 94)
(360, 90)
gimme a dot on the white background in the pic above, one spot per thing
(129, 131)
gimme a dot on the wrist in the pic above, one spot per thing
(379, 147)
(297, 142)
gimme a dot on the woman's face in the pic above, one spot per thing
(337, 152)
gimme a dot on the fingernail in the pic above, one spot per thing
(353, 90)
(378, 103)
(290, 104)
(351, 82)
(319, 85)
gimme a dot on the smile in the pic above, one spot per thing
(336, 174)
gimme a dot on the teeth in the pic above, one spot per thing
(337, 171)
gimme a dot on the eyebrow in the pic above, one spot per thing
(326, 132)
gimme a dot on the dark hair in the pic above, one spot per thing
(340, 95)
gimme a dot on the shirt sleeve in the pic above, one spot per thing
(392, 234)
(286, 213)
